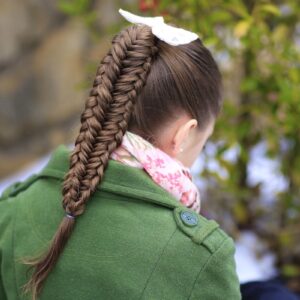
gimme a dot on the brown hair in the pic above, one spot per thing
(127, 95)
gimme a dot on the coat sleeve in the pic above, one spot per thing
(218, 279)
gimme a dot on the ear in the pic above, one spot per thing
(182, 133)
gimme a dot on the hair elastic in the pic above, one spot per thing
(70, 216)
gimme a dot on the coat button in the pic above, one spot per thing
(188, 218)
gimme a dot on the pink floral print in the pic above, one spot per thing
(166, 171)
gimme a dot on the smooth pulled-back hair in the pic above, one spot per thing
(141, 85)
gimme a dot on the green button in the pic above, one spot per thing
(189, 218)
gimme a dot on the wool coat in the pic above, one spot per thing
(134, 240)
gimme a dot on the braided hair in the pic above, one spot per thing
(141, 85)
(120, 77)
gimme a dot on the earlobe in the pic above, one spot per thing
(176, 147)
(178, 140)
(181, 135)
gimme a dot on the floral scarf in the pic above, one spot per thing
(166, 171)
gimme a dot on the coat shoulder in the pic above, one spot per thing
(215, 257)
(199, 229)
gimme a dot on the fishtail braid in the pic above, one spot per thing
(131, 81)
(92, 117)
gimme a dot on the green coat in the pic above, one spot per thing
(134, 241)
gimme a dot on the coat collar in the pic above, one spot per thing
(118, 178)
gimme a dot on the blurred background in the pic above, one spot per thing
(249, 173)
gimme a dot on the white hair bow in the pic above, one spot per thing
(169, 34)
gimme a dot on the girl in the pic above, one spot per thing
(131, 224)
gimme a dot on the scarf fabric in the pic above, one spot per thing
(166, 171)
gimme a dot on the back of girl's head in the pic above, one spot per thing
(141, 85)
(182, 78)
